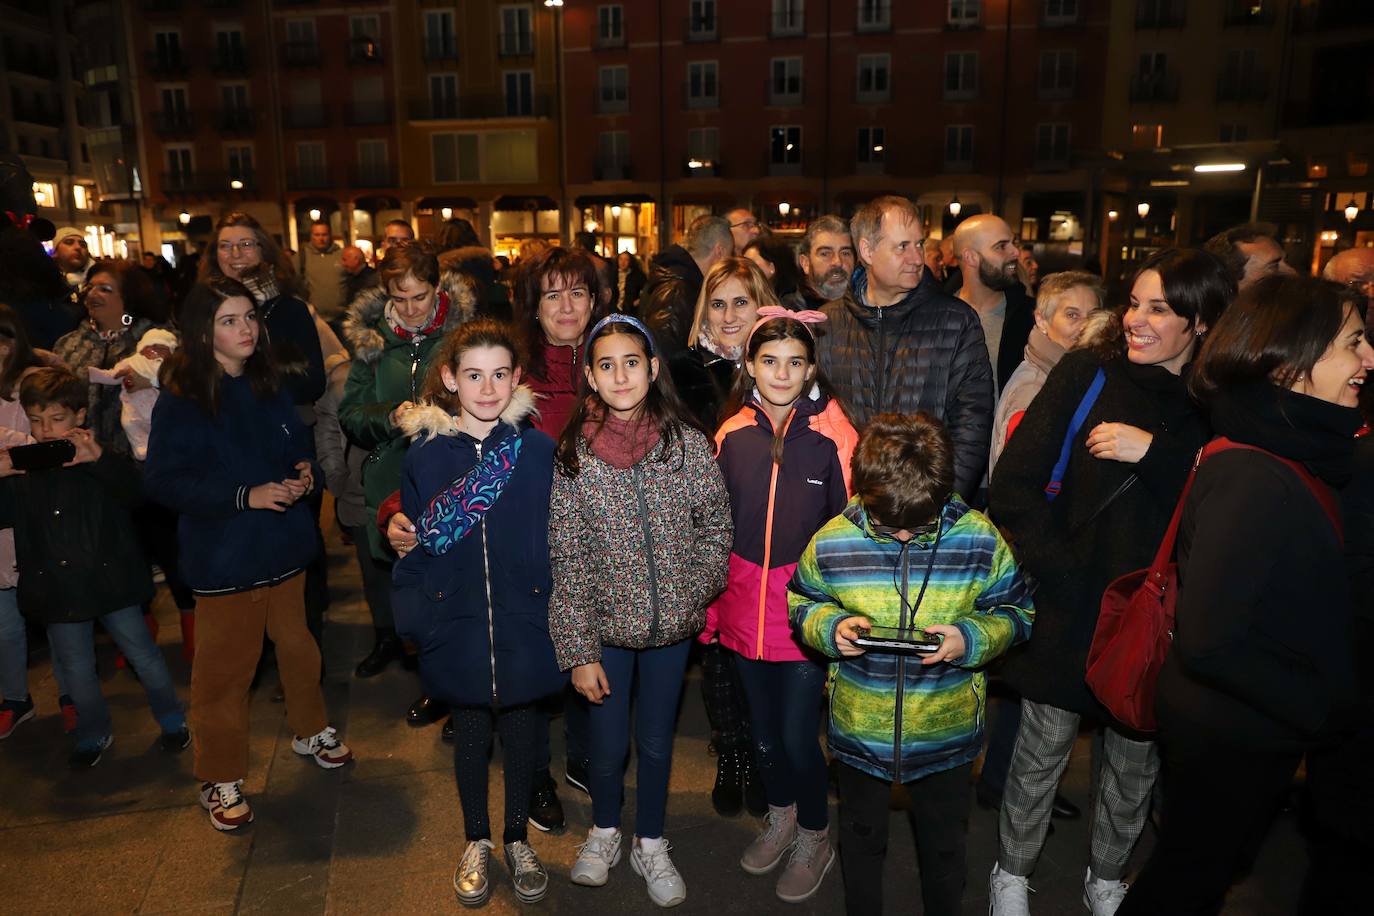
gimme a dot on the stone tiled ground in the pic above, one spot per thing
(382, 836)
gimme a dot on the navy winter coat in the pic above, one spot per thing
(204, 466)
(480, 612)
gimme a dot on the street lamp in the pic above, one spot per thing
(1112, 216)
(784, 208)
(446, 212)
(553, 4)
(1143, 208)
(954, 206)
(615, 210)
(183, 217)
(314, 214)
(1352, 210)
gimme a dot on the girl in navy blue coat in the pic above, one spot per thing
(228, 452)
(475, 596)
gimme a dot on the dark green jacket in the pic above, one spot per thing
(388, 369)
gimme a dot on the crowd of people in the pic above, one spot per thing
(869, 475)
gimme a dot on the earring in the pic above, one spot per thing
(127, 319)
(1197, 333)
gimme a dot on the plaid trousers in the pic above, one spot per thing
(1121, 800)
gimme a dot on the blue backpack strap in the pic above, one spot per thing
(1079, 416)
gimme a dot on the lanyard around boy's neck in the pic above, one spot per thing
(925, 580)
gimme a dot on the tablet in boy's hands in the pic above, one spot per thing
(893, 639)
(42, 455)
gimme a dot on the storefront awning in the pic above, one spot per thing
(532, 202)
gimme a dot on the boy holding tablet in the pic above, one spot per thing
(907, 555)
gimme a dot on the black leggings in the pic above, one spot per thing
(519, 729)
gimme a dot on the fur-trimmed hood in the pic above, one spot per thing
(430, 420)
(365, 324)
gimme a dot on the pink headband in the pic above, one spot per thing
(807, 317)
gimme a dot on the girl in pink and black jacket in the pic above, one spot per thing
(785, 457)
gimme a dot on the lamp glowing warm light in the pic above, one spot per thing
(615, 211)
(955, 207)
(183, 217)
(1352, 210)
(784, 208)
(446, 212)
(590, 225)
(314, 213)
(1143, 208)
(1219, 167)
(236, 184)
(1112, 216)
(553, 4)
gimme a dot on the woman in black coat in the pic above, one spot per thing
(1126, 468)
(1261, 666)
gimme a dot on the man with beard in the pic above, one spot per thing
(988, 257)
(827, 259)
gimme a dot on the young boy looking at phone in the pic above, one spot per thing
(907, 553)
(79, 558)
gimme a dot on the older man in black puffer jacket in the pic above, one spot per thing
(898, 343)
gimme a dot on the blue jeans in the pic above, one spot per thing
(784, 701)
(75, 647)
(659, 688)
(14, 651)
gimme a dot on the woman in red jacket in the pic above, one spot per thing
(785, 457)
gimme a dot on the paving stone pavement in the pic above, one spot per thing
(383, 834)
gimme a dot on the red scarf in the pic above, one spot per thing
(621, 443)
(436, 323)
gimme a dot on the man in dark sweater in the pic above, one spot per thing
(670, 297)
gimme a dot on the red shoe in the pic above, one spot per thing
(68, 714)
(13, 712)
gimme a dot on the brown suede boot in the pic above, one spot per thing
(769, 847)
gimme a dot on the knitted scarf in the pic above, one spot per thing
(435, 322)
(620, 443)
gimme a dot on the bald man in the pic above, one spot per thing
(1354, 268)
(357, 275)
(988, 256)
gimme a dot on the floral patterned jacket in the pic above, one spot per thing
(638, 553)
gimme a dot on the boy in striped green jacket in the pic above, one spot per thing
(908, 553)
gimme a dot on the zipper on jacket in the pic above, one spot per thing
(648, 551)
(414, 370)
(491, 609)
(905, 560)
(768, 533)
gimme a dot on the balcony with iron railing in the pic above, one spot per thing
(1160, 14)
(1241, 13)
(1243, 87)
(474, 106)
(32, 63)
(787, 23)
(364, 51)
(611, 101)
(701, 100)
(173, 123)
(694, 167)
(613, 170)
(230, 61)
(372, 175)
(787, 94)
(37, 114)
(177, 181)
(305, 117)
(236, 120)
(604, 42)
(300, 54)
(364, 114)
(167, 62)
(1331, 15)
(240, 179)
(516, 44)
(874, 17)
(314, 178)
(1154, 87)
(437, 48)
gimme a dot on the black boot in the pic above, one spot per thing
(426, 711)
(728, 795)
(385, 650)
(546, 811)
(755, 800)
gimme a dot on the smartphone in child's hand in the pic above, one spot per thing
(892, 639)
(42, 455)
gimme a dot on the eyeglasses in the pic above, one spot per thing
(244, 245)
(746, 224)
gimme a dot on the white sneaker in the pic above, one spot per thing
(1008, 894)
(596, 857)
(1102, 896)
(649, 859)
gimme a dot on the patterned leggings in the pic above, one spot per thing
(519, 729)
(723, 696)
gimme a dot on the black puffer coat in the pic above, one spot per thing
(1073, 555)
(923, 353)
(74, 543)
(670, 297)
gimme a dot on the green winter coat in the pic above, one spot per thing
(388, 369)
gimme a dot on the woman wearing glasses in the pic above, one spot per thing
(242, 251)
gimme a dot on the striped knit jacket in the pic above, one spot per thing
(890, 716)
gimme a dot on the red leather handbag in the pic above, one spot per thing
(1136, 624)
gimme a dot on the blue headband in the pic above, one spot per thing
(613, 318)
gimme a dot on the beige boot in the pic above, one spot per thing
(812, 858)
(768, 848)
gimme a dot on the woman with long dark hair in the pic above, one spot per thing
(1127, 463)
(230, 454)
(1261, 669)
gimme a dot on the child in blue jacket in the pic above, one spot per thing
(475, 596)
